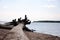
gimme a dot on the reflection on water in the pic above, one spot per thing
(48, 28)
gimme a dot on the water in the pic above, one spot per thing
(47, 28)
(2, 22)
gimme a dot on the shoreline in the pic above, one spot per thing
(8, 28)
(49, 34)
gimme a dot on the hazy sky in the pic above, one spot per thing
(34, 9)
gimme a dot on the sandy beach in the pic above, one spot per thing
(31, 35)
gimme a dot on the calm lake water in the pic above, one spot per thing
(47, 28)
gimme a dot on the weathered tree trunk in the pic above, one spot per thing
(16, 33)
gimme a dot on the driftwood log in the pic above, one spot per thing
(16, 33)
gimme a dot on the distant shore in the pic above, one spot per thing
(48, 21)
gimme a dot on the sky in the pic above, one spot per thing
(34, 9)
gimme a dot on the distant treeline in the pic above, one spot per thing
(49, 21)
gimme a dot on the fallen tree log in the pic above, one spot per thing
(16, 33)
